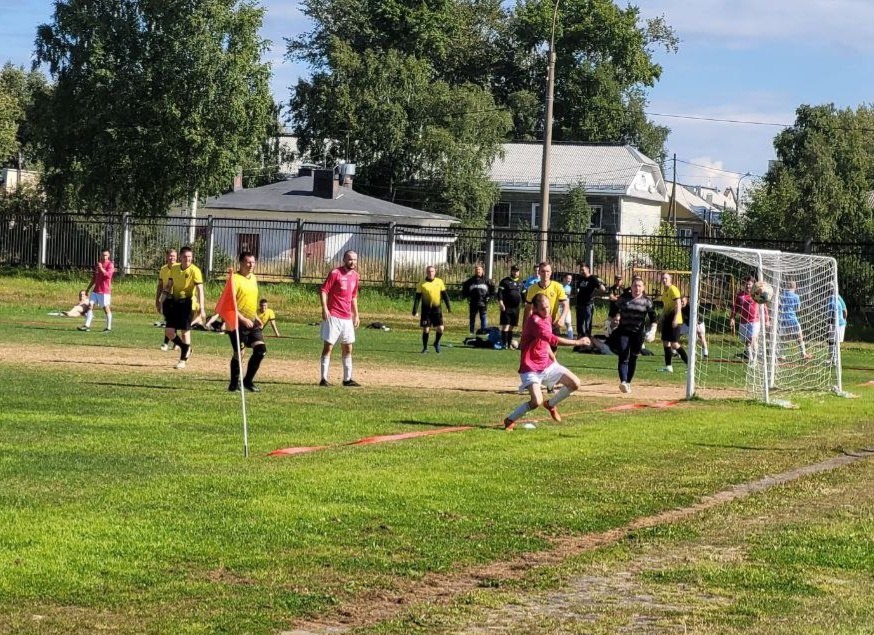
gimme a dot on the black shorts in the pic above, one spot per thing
(431, 316)
(179, 314)
(167, 310)
(509, 316)
(670, 333)
(248, 337)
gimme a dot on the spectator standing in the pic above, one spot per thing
(587, 285)
(339, 297)
(478, 289)
(510, 303)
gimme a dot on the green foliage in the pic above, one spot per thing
(819, 187)
(573, 221)
(154, 103)
(425, 138)
(666, 252)
(419, 94)
(20, 91)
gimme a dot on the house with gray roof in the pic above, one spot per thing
(317, 216)
(624, 188)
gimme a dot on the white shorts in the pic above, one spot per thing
(549, 377)
(335, 328)
(100, 299)
(748, 331)
(841, 331)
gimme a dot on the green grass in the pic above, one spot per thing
(126, 504)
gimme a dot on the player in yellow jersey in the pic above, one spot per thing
(183, 288)
(672, 319)
(246, 290)
(267, 316)
(554, 292)
(431, 292)
(163, 278)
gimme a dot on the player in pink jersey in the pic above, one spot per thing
(339, 295)
(100, 289)
(746, 310)
(538, 365)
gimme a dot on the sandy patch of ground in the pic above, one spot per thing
(131, 360)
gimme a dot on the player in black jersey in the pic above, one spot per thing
(510, 302)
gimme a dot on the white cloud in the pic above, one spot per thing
(839, 24)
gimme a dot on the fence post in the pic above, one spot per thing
(490, 252)
(390, 255)
(298, 252)
(590, 249)
(210, 247)
(125, 243)
(43, 240)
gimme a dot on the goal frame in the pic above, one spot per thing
(768, 344)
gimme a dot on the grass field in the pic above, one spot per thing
(126, 505)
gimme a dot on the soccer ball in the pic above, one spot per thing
(762, 292)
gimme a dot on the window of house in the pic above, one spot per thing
(685, 235)
(597, 216)
(249, 242)
(501, 215)
(536, 216)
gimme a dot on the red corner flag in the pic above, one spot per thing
(227, 304)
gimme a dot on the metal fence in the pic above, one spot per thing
(393, 255)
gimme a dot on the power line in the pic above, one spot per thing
(707, 167)
(718, 120)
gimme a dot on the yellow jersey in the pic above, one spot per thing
(554, 293)
(431, 291)
(164, 275)
(246, 290)
(185, 281)
(669, 300)
(265, 317)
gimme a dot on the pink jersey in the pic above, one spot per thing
(103, 281)
(745, 308)
(341, 286)
(537, 338)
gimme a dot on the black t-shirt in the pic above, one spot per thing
(510, 292)
(635, 314)
(586, 289)
(477, 290)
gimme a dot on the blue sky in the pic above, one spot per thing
(748, 60)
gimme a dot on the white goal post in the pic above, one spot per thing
(787, 344)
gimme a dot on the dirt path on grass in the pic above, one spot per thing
(372, 608)
(100, 360)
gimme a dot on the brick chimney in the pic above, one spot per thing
(347, 174)
(238, 181)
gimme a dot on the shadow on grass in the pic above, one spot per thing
(441, 424)
(751, 448)
(121, 385)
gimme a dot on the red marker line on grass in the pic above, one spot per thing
(369, 440)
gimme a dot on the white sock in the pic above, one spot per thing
(326, 363)
(109, 321)
(803, 349)
(347, 368)
(518, 412)
(88, 317)
(560, 396)
(705, 353)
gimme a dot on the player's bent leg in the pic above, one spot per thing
(259, 350)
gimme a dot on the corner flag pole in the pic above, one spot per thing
(227, 309)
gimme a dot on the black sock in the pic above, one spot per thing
(682, 353)
(669, 353)
(258, 354)
(235, 371)
(166, 340)
(437, 337)
(425, 340)
(183, 350)
(178, 341)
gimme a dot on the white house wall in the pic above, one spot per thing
(639, 217)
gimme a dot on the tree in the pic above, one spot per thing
(416, 139)
(494, 55)
(155, 102)
(603, 66)
(20, 91)
(819, 187)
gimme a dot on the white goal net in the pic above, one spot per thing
(766, 322)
